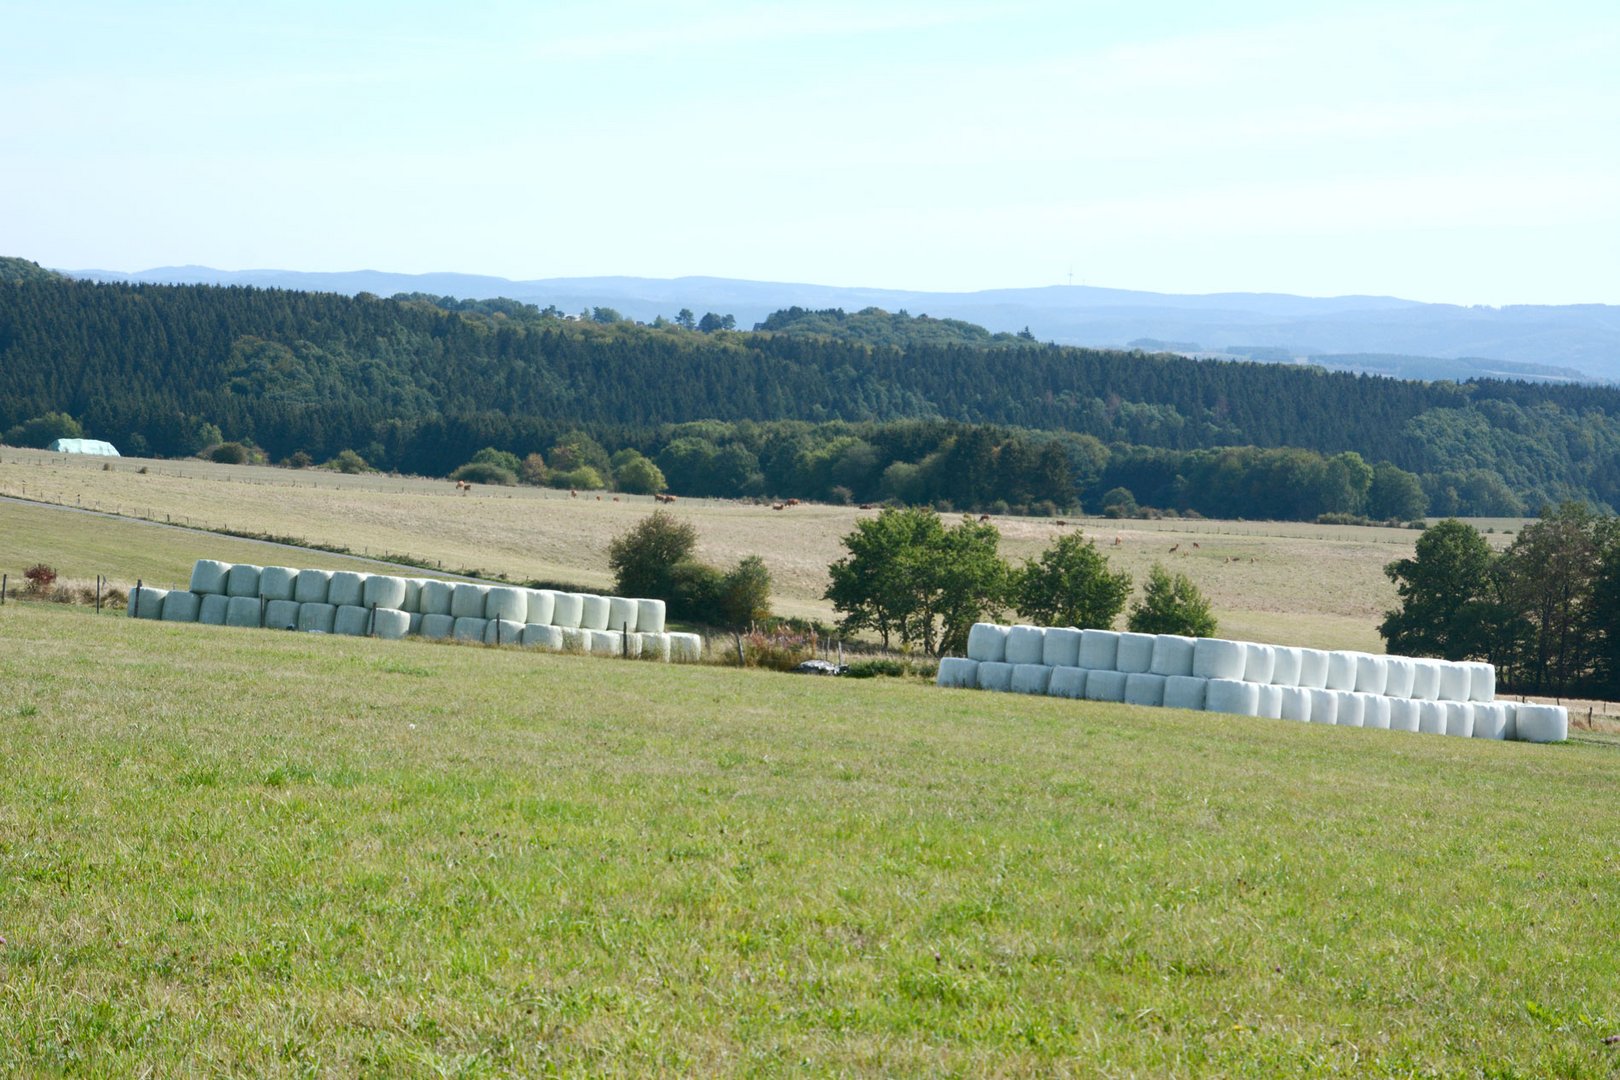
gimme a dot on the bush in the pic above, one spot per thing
(636, 475)
(299, 459)
(745, 593)
(1071, 584)
(778, 650)
(533, 470)
(584, 478)
(500, 458)
(1172, 604)
(40, 578)
(41, 431)
(484, 472)
(230, 453)
(643, 560)
(1119, 503)
(696, 592)
(347, 461)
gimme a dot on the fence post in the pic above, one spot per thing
(624, 641)
(136, 613)
(371, 622)
(98, 594)
(5, 579)
(261, 610)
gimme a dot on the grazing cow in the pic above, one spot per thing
(778, 506)
(572, 494)
(1118, 541)
(793, 502)
(1060, 521)
(868, 506)
(1195, 543)
(1175, 549)
(599, 498)
(615, 498)
(984, 517)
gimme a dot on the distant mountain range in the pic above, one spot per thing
(1378, 334)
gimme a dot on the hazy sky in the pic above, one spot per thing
(1466, 152)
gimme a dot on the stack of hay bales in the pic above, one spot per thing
(384, 606)
(1347, 689)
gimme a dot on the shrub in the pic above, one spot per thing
(636, 475)
(1172, 604)
(299, 459)
(533, 470)
(745, 593)
(485, 472)
(230, 453)
(643, 559)
(584, 478)
(779, 650)
(695, 593)
(868, 669)
(40, 578)
(347, 461)
(1071, 584)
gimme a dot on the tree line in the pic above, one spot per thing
(421, 384)
(1545, 611)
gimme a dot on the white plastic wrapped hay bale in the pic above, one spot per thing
(1099, 650)
(436, 626)
(1296, 703)
(1350, 710)
(1234, 696)
(1271, 701)
(575, 640)
(955, 672)
(1258, 662)
(542, 604)
(1215, 658)
(632, 645)
(1324, 706)
(685, 648)
(384, 591)
(1481, 681)
(1135, 654)
(1455, 681)
(278, 583)
(987, 642)
(1431, 717)
(281, 614)
(316, 618)
(208, 576)
(1375, 712)
(650, 616)
(1144, 688)
(391, 624)
(622, 613)
(470, 628)
(1061, 647)
(995, 675)
(415, 624)
(312, 586)
(1459, 718)
(181, 606)
(1105, 685)
(507, 604)
(1542, 723)
(1426, 680)
(346, 589)
(242, 580)
(503, 632)
(567, 608)
(1403, 714)
(1173, 655)
(1313, 669)
(211, 612)
(543, 636)
(146, 602)
(413, 595)
(593, 612)
(243, 611)
(1512, 729)
(1025, 644)
(1490, 720)
(1184, 692)
(437, 598)
(1285, 665)
(467, 600)
(1401, 673)
(1067, 682)
(1030, 678)
(1341, 670)
(656, 647)
(1372, 673)
(352, 619)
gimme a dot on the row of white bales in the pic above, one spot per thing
(1349, 689)
(380, 605)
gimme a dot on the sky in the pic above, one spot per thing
(1458, 152)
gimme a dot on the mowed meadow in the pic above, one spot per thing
(246, 851)
(1290, 583)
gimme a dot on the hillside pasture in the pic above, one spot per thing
(1312, 585)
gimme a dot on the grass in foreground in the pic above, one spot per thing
(268, 853)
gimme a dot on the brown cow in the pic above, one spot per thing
(778, 506)
(793, 502)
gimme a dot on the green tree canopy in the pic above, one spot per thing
(1171, 604)
(643, 559)
(1071, 585)
(1446, 595)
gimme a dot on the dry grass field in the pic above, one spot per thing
(1313, 585)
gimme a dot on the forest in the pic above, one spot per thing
(866, 406)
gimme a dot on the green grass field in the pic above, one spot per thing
(262, 853)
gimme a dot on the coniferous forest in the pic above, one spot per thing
(868, 407)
